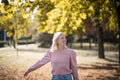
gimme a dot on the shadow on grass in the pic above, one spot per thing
(106, 71)
(99, 66)
(110, 60)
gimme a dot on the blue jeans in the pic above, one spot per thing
(62, 77)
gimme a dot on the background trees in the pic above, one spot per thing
(15, 19)
(71, 17)
(87, 17)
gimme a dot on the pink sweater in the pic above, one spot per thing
(63, 62)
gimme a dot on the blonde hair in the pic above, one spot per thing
(54, 40)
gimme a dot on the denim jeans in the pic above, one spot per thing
(62, 77)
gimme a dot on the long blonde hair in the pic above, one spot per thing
(54, 40)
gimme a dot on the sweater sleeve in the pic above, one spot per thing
(41, 62)
(74, 66)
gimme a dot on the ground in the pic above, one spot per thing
(14, 63)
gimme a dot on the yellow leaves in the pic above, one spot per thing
(42, 28)
(52, 0)
(12, 9)
(54, 13)
(63, 4)
(74, 27)
(3, 19)
(39, 13)
(107, 1)
(113, 26)
(60, 27)
(101, 18)
(91, 8)
(53, 17)
(83, 15)
(80, 6)
(76, 24)
(51, 31)
(79, 22)
(55, 21)
(9, 16)
(66, 32)
(25, 16)
(2, 9)
(89, 14)
(106, 8)
(9, 34)
(65, 16)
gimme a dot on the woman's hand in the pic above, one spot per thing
(26, 73)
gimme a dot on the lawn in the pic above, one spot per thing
(13, 66)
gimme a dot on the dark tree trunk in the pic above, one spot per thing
(99, 33)
(118, 14)
(100, 42)
(13, 39)
(117, 7)
(81, 42)
(90, 41)
(90, 44)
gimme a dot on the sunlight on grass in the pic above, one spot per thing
(12, 67)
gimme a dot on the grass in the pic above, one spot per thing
(12, 67)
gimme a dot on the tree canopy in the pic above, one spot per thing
(14, 18)
(57, 15)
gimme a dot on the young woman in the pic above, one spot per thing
(63, 60)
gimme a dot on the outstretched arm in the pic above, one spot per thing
(40, 63)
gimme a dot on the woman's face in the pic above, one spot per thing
(62, 40)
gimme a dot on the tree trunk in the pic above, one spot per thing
(100, 42)
(118, 14)
(81, 42)
(99, 33)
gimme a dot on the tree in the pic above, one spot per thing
(117, 7)
(15, 19)
(70, 16)
(99, 31)
(65, 15)
(106, 20)
(64, 19)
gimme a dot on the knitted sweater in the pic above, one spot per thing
(62, 62)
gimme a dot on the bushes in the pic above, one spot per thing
(44, 39)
